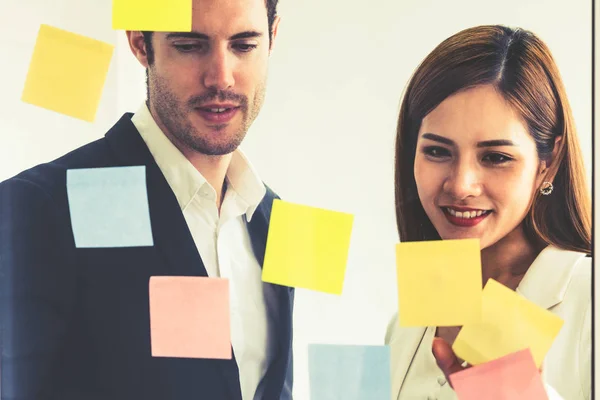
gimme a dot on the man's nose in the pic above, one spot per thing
(219, 73)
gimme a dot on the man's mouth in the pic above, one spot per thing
(218, 113)
(218, 110)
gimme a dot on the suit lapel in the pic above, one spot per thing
(280, 367)
(172, 238)
(554, 267)
(403, 346)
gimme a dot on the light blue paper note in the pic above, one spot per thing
(342, 372)
(109, 207)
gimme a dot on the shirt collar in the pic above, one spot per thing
(244, 180)
(185, 180)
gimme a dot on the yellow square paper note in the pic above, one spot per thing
(67, 73)
(439, 282)
(153, 15)
(307, 247)
(509, 323)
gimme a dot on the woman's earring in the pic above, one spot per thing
(546, 188)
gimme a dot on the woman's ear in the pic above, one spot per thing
(545, 164)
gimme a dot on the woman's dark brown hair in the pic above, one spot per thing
(519, 65)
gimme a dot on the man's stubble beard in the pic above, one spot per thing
(175, 116)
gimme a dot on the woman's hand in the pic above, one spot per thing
(446, 360)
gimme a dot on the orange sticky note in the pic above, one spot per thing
(67, 73)
(189, 317)
(512, 377)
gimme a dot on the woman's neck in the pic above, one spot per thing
(508, 260)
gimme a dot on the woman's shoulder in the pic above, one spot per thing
(580, 283)
(395, 332)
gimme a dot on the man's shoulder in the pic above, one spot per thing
(271, 195)
(51, 176)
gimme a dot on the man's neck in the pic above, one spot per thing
(213, 168)
(508, 260)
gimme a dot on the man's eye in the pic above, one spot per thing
(436, 152)
(244, 47)
(497, 158)
(188, 47)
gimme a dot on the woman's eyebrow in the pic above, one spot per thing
(438, 138)
(495, 143)
(485, 143)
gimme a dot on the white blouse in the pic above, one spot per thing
(425, 380)
(559, 281)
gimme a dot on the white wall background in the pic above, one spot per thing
(325, 135)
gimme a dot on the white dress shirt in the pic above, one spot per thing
(558, 281)
(223, 242)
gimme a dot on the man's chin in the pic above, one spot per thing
(215, 148)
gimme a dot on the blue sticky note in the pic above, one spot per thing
(349, 372)
(109, 207)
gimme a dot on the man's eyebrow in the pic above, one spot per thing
(203, 36)
(187, 35)
(438, 138)
(246, 35)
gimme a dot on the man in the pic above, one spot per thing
(76, 320)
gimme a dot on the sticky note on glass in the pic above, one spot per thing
(509, 323)
(109, 207)
(189, 317)
(67, 73)
(439, 282)
(153, 15)
(307, 247)
(349, 372)
(512, 377)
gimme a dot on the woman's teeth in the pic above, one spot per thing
(466, 214)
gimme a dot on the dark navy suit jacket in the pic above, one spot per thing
(75, 322)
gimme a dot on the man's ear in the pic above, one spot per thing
(274, 34)
(138, 46)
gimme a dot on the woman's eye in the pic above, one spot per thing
(496, 158)
(436, 152)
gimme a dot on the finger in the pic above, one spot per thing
(445, 357)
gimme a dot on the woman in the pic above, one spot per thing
(486, 148)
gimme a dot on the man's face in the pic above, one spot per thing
(207, 87)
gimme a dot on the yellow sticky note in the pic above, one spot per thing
(509, 323)
(307, 247)
(439, 282)
(153, 15)
(67, 73)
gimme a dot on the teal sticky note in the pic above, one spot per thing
(109, 207)
(349, 372)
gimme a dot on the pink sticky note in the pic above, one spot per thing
(513, 377)
(189, 317)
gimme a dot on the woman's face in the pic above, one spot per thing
(476, 167)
